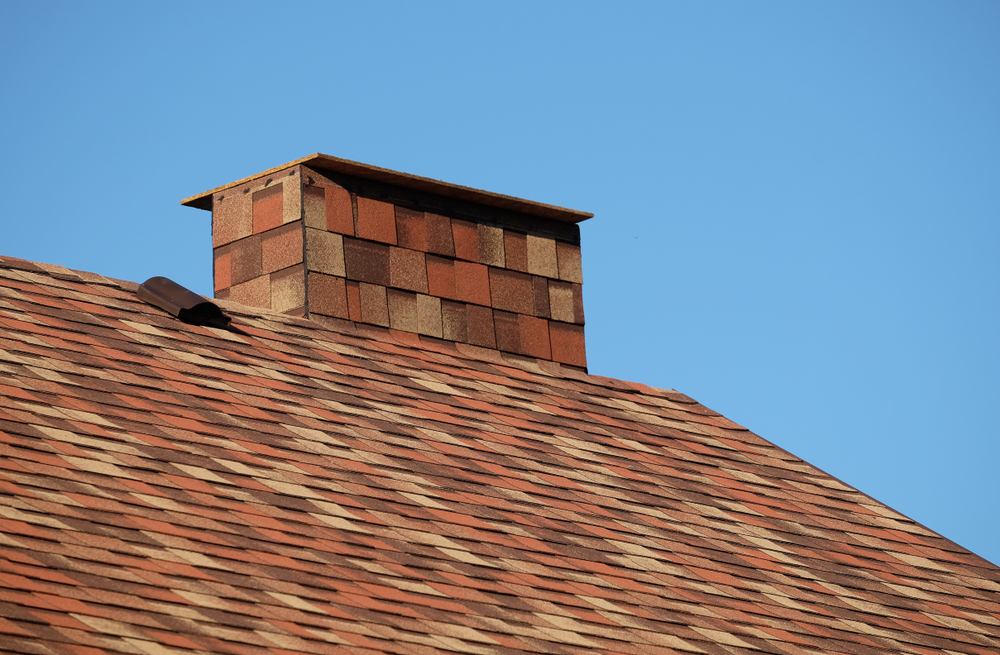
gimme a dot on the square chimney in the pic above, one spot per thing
(335, 240)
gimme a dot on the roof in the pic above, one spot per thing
(299, 488)
(407, 181)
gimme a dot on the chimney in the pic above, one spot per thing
(334, 240)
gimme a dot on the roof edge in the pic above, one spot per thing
(406, 180)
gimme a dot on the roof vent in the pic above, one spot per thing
(181, 302)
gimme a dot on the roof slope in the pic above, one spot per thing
(166, 488)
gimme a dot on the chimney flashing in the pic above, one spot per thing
(407, 181)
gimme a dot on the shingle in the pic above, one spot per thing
(282, 247)
(231, 217)
(542, 256)
(325, 252)
(376, 220)
(366, 261)
(307, 487)
(268, 207)
(516, 251)
(411, 229)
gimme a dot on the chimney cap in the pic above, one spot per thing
(367, 171)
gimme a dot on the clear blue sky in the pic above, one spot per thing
(798, 203)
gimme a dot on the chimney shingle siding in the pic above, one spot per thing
(331, 246)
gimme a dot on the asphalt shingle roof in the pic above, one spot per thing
(300, 488)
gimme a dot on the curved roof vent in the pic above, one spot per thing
(181, 302)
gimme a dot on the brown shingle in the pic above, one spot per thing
(578, 304)
(232, 217)
(561, 302)
(403, 310)
(411, 229)
(314, 207)
(515, 247)
(255, 292)
(480, 326)
(325, 252)
(570, 268)
(328, 295)
(288, 290)
(429, 316)
(407, 269)
(454, 320)
(282, 247)
(508, 333)
(440, 240)
(542, 256)
(540, 296)
(511, 291)
(366, 261)
(374, 305)
(247, 263)
(491, 246)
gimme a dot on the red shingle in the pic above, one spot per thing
(472, 283)
(268, 207)
(567, 343)
(441, 277)
(534, 336)
(376, 220)
(222, 276)
(339, 210)
(466, 236)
